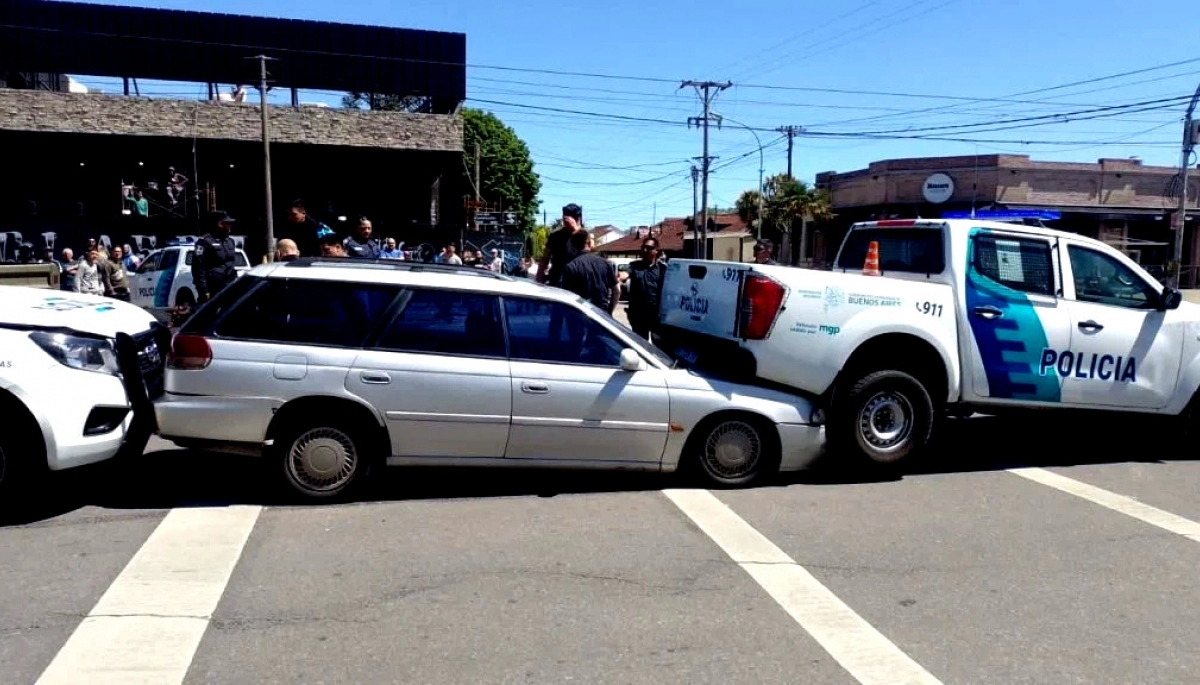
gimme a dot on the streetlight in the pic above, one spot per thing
(758, 228)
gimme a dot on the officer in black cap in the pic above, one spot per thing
(212, 265)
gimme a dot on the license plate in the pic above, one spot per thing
(686, 355)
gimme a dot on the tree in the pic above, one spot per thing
(506, 166)
(414, 104)
(747, 206)
(787, 204)
(537, 241)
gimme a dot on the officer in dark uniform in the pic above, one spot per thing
(212, 265)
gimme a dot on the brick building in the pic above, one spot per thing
(1120, 201)
(81, 152)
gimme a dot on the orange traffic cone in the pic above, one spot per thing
(871, 265)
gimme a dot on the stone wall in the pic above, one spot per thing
(50, 112)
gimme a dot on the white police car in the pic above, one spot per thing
(164, 278)
(77, 377)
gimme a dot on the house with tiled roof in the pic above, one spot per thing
(729, 239)
(606, 234)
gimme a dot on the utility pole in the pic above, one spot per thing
(708, 91)
(791, 132)
(695, 210)
(266, 141)
(1191, 134)
(478, 195)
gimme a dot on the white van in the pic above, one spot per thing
(164, 278)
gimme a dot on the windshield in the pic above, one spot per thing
(645, 346)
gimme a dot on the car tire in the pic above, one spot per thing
(323, 459)
(185, 298)
(884, 418)
(735, 450)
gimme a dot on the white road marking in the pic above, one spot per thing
(148, 624)
(1118, 503)
(855, 644)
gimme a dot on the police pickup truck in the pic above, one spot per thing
(949, 316)
(78, 374)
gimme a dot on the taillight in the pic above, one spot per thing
(189, 352)
(762, 298)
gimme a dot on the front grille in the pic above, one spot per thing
(151, 361)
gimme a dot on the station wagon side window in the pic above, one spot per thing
(544, 331)
(1024, 264)
(308, 313)
(446, 322)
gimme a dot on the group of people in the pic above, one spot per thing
(99, 272)
(570, 262)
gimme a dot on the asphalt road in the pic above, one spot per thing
(185, 567)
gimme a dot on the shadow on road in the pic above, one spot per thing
(167, 478)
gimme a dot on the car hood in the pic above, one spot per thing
(780, 406)
(42, 308)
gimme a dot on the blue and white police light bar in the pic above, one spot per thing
(1005, 215)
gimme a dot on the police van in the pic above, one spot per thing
(78, 375)
(163, 281)
(921, 317)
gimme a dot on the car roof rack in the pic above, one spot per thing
(394, 265)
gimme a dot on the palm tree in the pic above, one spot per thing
(790, 202)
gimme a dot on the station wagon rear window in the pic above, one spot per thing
(908, 250)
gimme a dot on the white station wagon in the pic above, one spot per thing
(329, 366)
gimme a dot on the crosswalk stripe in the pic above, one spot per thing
(853, 642)
(148, 624)
(1120, 503)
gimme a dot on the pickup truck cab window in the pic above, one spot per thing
(903, 250)
(1102, 279)
(1023, 264)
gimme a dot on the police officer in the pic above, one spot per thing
(362, 244)
(212, 265)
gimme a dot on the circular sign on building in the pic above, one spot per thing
(938, 188)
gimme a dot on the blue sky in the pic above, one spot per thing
(904, 62)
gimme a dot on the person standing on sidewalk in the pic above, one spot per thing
(116, 275)
(89, 278)
(213, 263)
(646, 276)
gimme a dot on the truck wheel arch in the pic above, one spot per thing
(898, 352)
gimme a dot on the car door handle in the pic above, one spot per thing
(1090, 326)
(535, 388)
(375, 377)
(987, 311)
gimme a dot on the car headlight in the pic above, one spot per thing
(78, 352)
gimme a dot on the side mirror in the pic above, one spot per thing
(630, 360)
(1170, 299)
